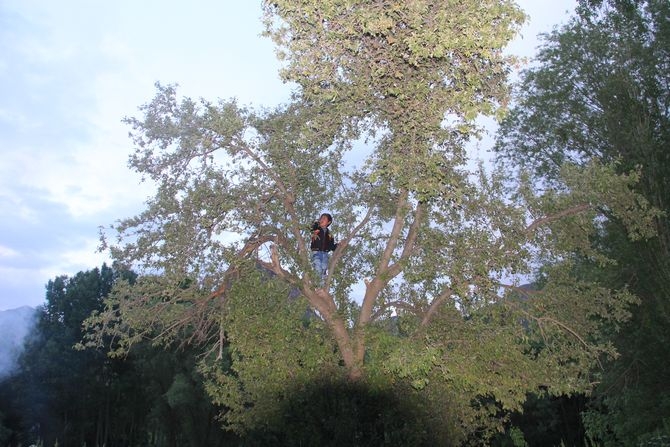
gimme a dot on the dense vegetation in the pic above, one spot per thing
(424, 333)
(601, 90)
(62, 396)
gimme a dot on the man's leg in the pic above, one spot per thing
(320, 264)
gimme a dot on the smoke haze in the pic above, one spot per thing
(15, 325)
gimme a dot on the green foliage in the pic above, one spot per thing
(57, 385)
(336, 412)
(275, 343)
(392, 59)
(283, 383)
(5, 432)
(62, 396)
(403, 68)
(424, 288)
(600, 92)
(547, 420)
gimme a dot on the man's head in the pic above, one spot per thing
(325, 220)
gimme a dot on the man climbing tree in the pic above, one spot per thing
(323, 242)
(425, 279)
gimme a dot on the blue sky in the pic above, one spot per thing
(70, 70)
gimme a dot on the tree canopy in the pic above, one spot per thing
(425, 287)
(600, 90)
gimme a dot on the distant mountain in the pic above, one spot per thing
(15, 325)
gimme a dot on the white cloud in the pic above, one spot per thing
(84, 257)
(19, 276)
(17, 120)
(6, 252)
(12, 205)
(86, 181)
(45, 51)
(103, 182)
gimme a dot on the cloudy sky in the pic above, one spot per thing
(70, 70)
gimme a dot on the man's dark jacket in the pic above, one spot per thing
(323, 240)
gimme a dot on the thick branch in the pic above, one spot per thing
(554, 217)
(434, 306)
(337, 255)
(249, 247)
(410, 242)
(377, 284)
(385, 272)
(395, 234)
(288, 198)
(393, 304)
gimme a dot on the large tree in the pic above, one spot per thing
(600, 89)
(423, 288)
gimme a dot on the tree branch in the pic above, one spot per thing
(394, 304)
(288, 198)
(395, 233)
(249, 247)
(554, 217)
(377, 283)
(337, 255)
(520, 290)
(437, 302)
(410, 242)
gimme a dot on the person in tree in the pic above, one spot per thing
(322, 243)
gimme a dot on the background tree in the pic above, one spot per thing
(58, 385)
(600, 90)
(71, 397)
(417, 291)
